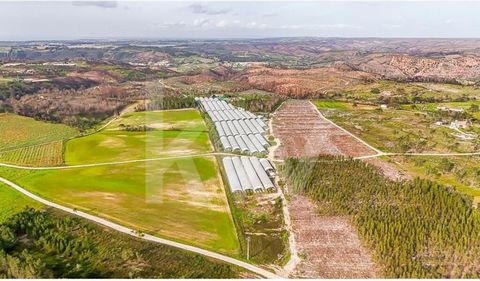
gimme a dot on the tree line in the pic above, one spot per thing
(50, 244)
(417, 229)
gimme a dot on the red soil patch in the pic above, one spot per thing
(313, 82)
(303, 132)
(329, 244)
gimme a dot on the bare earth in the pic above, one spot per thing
(329, 244)
(304, 133)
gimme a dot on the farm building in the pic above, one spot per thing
(239, 130)
(247, 174)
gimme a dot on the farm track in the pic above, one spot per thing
(132, 232)
(116, 162)
(329, 244)
(260, 271)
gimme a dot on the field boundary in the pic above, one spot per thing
(148, 237)
(114, 163)
(379, 152)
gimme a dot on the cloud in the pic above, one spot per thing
(201, 22)
(198, 8)
(320, 26)
(169, 25)
(225, 23)
(100, 4)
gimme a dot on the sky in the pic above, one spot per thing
(41, 20)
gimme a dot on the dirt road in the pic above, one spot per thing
(129, 231)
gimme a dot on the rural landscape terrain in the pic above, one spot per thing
(259, 158)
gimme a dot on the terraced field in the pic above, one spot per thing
(166, 133)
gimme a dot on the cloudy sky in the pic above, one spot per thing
(40, 20)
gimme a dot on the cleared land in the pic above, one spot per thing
(18, 131)
(181, 199)
(141, 135)
(304, 133)
(12, 202)
(329, 244)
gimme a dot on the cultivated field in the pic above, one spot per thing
(48, 154)
(18, 131)
(12, 202)
(304, 133)
(141, 135)
(181, 199)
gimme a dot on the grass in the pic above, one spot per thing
(13, 202)
(398, 130)
(330, 104)
(174, 132)
(460, 172)
(69, 247)
(181, 199)
(18, 131)
(49, 154)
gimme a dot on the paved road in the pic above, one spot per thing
(114, 163)
(129, 231)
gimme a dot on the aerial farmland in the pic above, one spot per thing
(247, 158)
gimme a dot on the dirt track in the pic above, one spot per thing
(329, 245)
(305, 133)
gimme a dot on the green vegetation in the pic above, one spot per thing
(262, 222)
(18, 131)
(190, 64)
(36, 244)
(392, 93)
(48, 154)
(330, 104)
(180, 199)
(460, 172)
(175, 132)
(400, 130)
(256, 101)
(417, 229)
(170, 101)
(13, 202)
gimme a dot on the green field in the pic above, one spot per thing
(18, 131)
(171, 133)
(330, 104)
(12, 202)
(181, 199)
